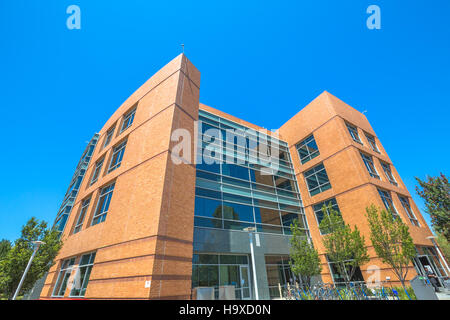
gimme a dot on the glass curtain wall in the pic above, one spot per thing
(247, 191)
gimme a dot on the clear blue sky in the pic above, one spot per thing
(59, 86)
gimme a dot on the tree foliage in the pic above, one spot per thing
(305, 261)
(15, 261)
(436, 194)
(344, 247)
(391, 240)
(5, 246)
(444, 245)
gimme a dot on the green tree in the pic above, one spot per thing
(444, 246)
(344, 247)
(436, 194)
(305, 261)
(391, 240)
(16, 260)
(5, 246)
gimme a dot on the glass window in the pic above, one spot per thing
(372, 142)
(319, 213)
(63, 278)
(338, 278)
(408, 210)
(267, 216)
(82, 276)
(368, 162)
(353, 133)
(317, 180)
(128, 119)
(103, 204)
(258, 177)
(207, 223)
(208, 208)
(388, 203)
(108, 136)
(278, 273)
(236, 171)
(116, 158)
(307, 149)
(234, 211)
(387, 171)
(97, 170)
(84, 208)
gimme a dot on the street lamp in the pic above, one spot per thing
(440, 254)
(250, 230)
(36, 248)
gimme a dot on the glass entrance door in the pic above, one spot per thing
(245, 282)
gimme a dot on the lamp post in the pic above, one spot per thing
(36, 248)
(446, 269)
(250, 231)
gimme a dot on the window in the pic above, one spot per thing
(307, 149)
(319, 213)
(63, 278)
(368, 161)
(387, 200)
(372, 142)
(82, 276)
(409, 212)
(128, 119)
(108, 136)
(84, 208)
(353, 133)
(103, 204)
(317, 180)
(387, 171)
(117, 156)
(98, 168)
(278, 273)
(338, 278)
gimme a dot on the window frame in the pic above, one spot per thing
(372, 142)
(118, 150)
(388, 173)
(82, 215)
(83, 285)
(66, 270)
(352, 129)
(97, 170)
(128, 119)
(104, 193)
(409, 211)
(305, 143)
(382, 193)
(334, 206)
(369, 163)
(320, 186)
(108, 136)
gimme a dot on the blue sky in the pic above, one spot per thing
(59, 86)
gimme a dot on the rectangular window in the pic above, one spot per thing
(103, 204)
(338, 278)
(317, 179)
(409, 212)
(63, 278)
(307, 149)
(388, 203)
(320, 214)
(128, 119)
(116, 158)
(353, 133)
(84, 208)
(368, 162)
(82, 276)
(387, 171)
(372, 142)
(108, 136)
(97, 170)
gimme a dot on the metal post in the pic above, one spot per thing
(36, 248)
(252, 253)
